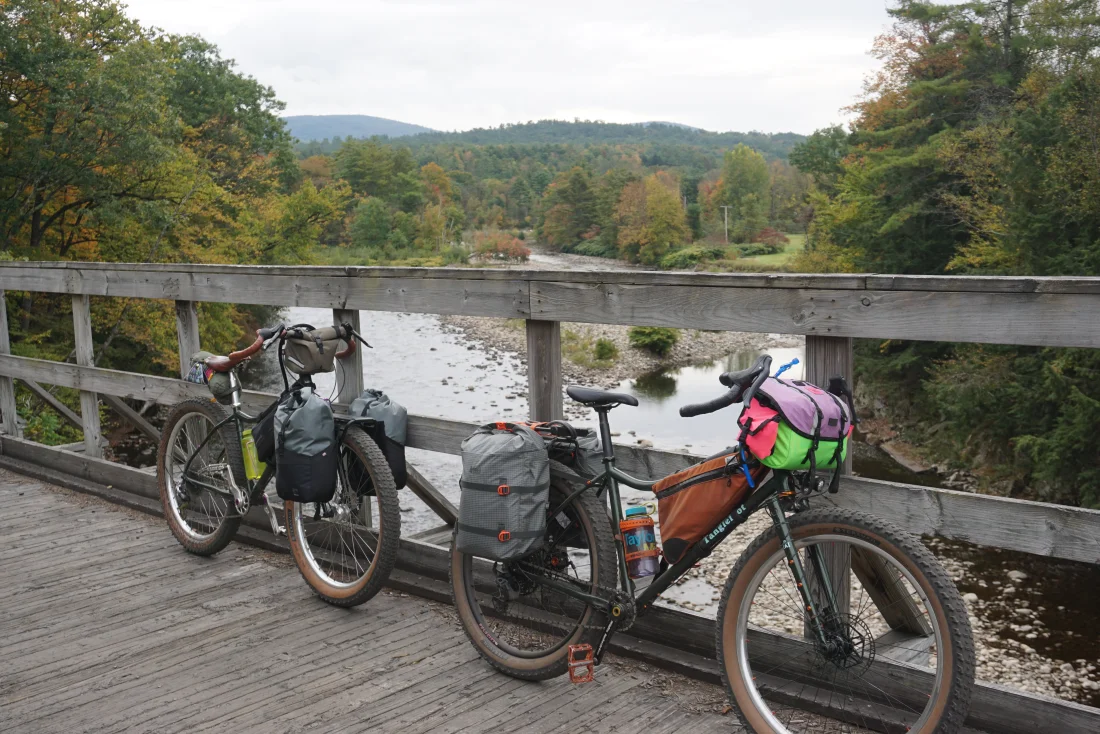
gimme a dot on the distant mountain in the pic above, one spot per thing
(672, 124)
(653, 135)
(319, 127)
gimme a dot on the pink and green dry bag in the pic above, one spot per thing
(793, 425)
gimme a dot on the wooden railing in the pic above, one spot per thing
(829, 309)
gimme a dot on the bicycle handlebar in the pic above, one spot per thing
(738, 392)
(724, 401)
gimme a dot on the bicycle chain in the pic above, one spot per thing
(616, 595)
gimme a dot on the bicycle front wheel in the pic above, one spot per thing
(896, 653)
(346, 548)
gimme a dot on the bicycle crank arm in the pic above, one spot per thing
(608, 631)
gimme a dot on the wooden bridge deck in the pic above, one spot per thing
(106, 625)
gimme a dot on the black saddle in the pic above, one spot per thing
(599, 398)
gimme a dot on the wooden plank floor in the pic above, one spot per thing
(107, 625)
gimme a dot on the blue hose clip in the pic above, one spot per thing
(786, 367)
(745, 469)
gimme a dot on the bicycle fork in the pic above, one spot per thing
(798, 573)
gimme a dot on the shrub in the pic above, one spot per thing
(689, 257)
(757, 248)
(455, 256)
(656, 339)
(492, 244)
(605, 350)
(772, 236)
(596, 248)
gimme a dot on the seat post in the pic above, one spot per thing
(605, 434)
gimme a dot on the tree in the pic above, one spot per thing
(651, 219)
(568, 209)
(371, 225)
(821, 154)
(367, 166)
(744, 189)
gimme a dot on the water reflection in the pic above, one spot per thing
(656, 385)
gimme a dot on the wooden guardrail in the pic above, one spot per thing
(829, 309)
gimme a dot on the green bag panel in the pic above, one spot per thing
(792, 449)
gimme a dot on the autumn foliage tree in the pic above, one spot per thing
(651, 219)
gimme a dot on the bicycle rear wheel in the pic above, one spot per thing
(897, 654)
(346, 548)
(524, 628)
(200, 508)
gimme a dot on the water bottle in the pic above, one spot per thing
(640, 541)
(253, 467)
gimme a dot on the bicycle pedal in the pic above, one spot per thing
(581, 664)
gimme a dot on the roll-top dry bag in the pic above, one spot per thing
(505, 492)
(306, 456)
(390, 429)
(793, 424)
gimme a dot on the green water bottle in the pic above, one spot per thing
(253, 467)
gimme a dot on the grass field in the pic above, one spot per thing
(779, 259)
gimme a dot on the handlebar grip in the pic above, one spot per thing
(750, 393)
(266, 334)
(723, 401)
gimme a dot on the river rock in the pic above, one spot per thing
(1017, 575)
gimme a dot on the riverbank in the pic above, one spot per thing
(578, 343)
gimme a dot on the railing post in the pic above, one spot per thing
(85, 356)
(829, 356)
(187, 333)
(9, 414)
(349, 372)
(544, 370)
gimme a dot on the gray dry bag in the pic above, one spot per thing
(505, 492)
(389, 431)
(306, 456)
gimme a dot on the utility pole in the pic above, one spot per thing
(726, 213)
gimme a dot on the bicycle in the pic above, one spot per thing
(345, 549)
(787, 638)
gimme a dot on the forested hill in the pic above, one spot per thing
(584, 133)
(321, 127)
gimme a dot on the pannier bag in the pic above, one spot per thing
(219, 383)
(505, 492)
(306, 456)
(313, 351)
(793, 425)
(391, 425)
(691, 502)
(577, 448)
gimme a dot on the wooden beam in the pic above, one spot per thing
(1057, 531)
(432, 497)
(349, 372)
(544, 370)
(827, 357)
(51, 400)
(131, 416)
(85, 356)
(1000, 318)
(1034, 311)
(9, 414)
(187, 333)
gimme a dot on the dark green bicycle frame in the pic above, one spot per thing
(766, 493)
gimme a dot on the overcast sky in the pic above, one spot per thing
(770, 65)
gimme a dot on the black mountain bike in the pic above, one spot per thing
(887, 650)
(344, 549)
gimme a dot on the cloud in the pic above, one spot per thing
(731, 65)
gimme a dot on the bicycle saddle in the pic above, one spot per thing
(599, 398)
